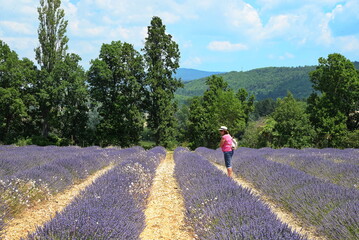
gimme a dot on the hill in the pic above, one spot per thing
(187, 74)
(269, 82)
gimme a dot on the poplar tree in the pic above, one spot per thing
(51, 51)
(162, 56)
(51, 34)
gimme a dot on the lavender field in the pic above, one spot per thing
(319, 187)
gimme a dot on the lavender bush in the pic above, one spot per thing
(33, 173)
(313, 200)
(319, 164)
(112, 207)
(218, 208)
(349, 155)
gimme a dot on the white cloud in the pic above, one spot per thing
(286, 25)
(285, 56)
(244, 17)
(308, 23)
(169, 17)
(133, 35)
(23, 46)
(267, 5)
(17, 27)
(226, 46)
(279, 25)
(191, 62)
(349, 44)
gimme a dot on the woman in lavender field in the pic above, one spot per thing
(226, 146)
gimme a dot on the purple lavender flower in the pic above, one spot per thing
(111, 208)
(218, 208)
(317, 202)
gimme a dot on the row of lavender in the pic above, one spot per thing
(331, 208)
(29, 174)
(334, 165)
(218, 208)
(112, 207)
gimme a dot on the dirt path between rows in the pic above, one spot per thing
(282, 215)
(165, 210)
(42, 212)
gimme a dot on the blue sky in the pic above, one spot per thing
(213, 35)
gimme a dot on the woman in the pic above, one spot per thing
(226, 146)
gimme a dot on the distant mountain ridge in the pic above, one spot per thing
(188, 74)
(269, 82)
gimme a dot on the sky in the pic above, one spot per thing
(213, 35)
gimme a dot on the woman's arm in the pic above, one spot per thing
(221, 143)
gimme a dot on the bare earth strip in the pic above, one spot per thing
(165, 210)
(283, 216)
(42, 212)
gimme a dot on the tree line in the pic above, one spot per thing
(328, 118)
(127, 96)
(57, 102)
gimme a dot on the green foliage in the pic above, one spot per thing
(61, 105)
(263, 108)
(247, 102)
(263, 83)
(253, 136)
(335, 110)
(161, 55)
(292, 127)
(218, 106)
(116, 81)
(15, 78)
(50, 53)
(197, 126)
(51, 33)
(267, 133)
(182, 116)
(72, 116)
(351, 139)
(12, 110)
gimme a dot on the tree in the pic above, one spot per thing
(51, 51)
(161, 56)
(197, 124)
(292, 127)
(247, 102)
(218, 106)
(51, 33)
(73, 95)
(15, 79)
(264, 108)
(255, 135)
(335, 109)
(182, 116)
(116, 81)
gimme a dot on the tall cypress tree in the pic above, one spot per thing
(51, 51)
(162, 56)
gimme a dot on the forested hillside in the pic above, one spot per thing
(270, 82)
